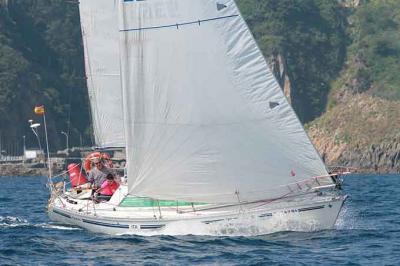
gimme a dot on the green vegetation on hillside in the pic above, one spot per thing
(311, 36)
(373, 67)
(42, 59)
(374, 55)
(41, 62)
(361, 125)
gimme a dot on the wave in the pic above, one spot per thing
(58, 227)
(244, 226)
(11, 222)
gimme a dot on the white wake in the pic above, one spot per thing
(243, 226)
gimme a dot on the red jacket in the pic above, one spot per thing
(108, 189)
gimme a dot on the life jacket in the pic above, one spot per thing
(97, 155)
(109, 189)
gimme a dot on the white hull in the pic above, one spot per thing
(308, 213)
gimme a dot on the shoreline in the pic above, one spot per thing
(26, 170)
(36, 170)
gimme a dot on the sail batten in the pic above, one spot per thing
(197, 103)
(178, 24)
(99, 22)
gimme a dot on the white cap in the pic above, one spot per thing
(96, 160)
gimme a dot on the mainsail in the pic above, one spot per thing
(205, 119)
(99, 22)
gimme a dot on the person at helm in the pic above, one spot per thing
(98, 174)
(108, 188)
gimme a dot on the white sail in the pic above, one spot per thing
(205, 119)
(99, 22)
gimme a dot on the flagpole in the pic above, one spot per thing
(47, 146)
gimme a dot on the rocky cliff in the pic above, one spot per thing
(361, 131)
(278, 65)
(22, 170)
(361, 125)
(339, 59)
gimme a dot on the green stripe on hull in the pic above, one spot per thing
(147, 202)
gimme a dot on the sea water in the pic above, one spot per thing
(366, 233)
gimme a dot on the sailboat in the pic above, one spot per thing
(210, 137)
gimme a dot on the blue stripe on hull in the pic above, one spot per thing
(214, 221)
(62, 214)
(125, 226)
(156, 226)
(270, 214)
(311, 208)
(105, 224)
(152, 226)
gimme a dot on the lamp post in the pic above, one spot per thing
(80, 139)
(23, 156)
(66, 137)
(1, 148)
(34, 127)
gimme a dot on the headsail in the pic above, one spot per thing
(205, 119)
(99, 21)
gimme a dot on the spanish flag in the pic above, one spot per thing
(39, 110)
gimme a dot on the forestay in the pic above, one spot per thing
(205, 119)
(99, 21)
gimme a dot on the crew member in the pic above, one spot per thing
(108, 188)
(98, 174)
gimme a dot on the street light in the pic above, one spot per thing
(66, 136)
(34, 128)
(23, 156)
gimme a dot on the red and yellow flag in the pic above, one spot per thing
(39, 110)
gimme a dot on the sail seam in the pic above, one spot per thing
(104, 75)
(177, 25)
(202, 125)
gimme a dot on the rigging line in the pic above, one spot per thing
(65, 172)
(69, 113)
(303, 181)
(264, 202)
(90, 94)
(106, 75)
(177, 25)
(159, 209)
(287, 195)
(239, 201)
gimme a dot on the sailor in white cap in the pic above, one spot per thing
(99, 173)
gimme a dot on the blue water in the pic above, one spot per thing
(367, 233)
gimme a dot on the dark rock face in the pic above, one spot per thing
(21, 170)
(383, 157)
(30, 169)
(360, 131)
(279, 69)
